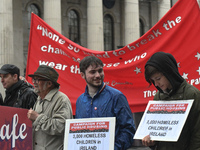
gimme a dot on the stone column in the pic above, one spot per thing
(95, 25)
(6, 35)
(163, 7)
(18, 36)
(131, 21)
(52, 14)
(154, 10)
(6, 32)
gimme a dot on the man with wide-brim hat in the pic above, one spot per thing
(46, 72)
(50, 111)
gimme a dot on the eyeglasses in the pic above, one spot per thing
(37, 80)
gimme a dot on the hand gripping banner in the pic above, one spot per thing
(176, 33)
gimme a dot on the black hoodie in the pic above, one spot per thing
(166, 63)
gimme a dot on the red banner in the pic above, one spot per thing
(168, 108)
(176, 33)
(89, 126)
(15, 129)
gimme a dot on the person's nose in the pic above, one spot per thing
(156, 83)
(97, 74)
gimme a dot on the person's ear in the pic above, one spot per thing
(83, 75)
(15, 76)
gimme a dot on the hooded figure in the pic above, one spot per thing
(167, 65)
(161, 70)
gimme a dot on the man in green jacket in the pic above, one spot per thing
(161, 70)
(50, 111)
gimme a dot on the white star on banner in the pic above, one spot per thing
(198, 70)
(197, 56)
(137, 70)
(178, 64)
(185, 75)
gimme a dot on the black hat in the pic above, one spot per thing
(46, 72)
(8, 68)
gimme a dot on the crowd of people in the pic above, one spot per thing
(48, 108)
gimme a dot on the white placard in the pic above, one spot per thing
(90, 133)
(163, 120)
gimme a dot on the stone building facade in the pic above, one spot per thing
(95, 24)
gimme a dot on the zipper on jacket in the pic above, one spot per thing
(91, 101)
(91, 108)
(104, 85)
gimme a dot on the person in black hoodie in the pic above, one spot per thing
(18, 93)
(161, 70)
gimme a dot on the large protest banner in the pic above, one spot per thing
(176, 33)
(15, 129)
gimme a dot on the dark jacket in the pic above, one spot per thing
(1, 99)
(20, 95)
(109, 102)
(190, 135)
(181, 90)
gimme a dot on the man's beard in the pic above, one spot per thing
(43, 88)
(93, 85)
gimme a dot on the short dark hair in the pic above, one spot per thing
(89, 60)
(149, 71)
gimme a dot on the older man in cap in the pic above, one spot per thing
(18, 92)
(50, 111)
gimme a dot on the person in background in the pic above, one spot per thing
(101, 100)
(1, 99)
(161, 70)
(50, 111)
(18, 92)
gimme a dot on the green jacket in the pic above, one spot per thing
(190, 135)
(48, 128)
